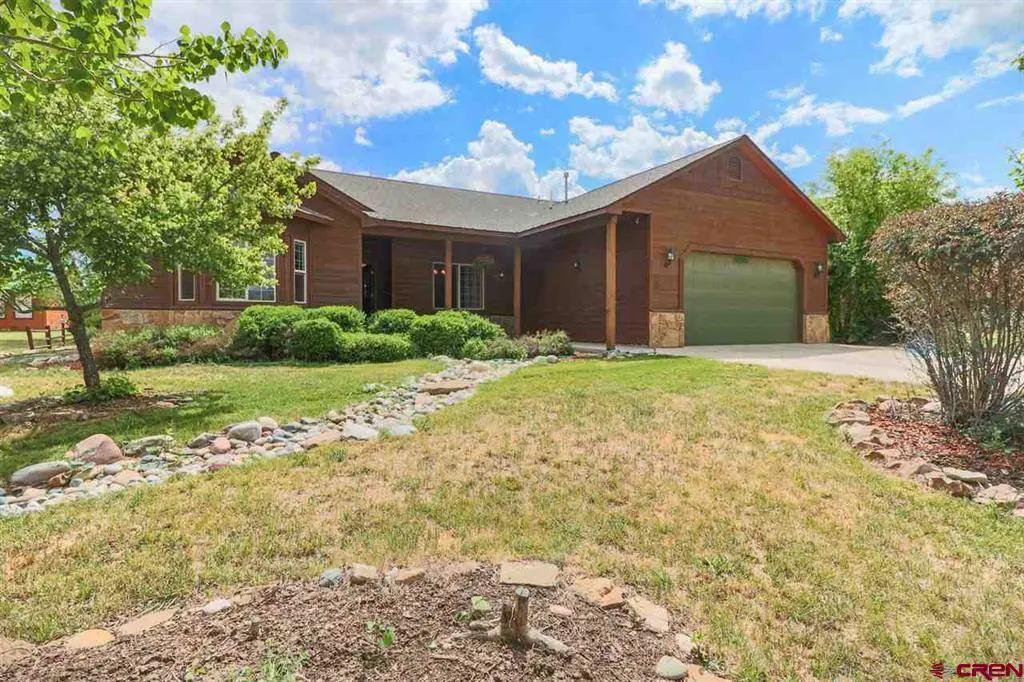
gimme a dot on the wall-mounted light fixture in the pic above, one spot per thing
(501, 275)
(819, 268)
(670, 256)
(576, 264)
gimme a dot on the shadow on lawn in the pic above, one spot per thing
(21, 446)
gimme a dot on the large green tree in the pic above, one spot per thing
(87, 214)
(859, 190)
(77, 48)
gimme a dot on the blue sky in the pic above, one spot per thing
(505, 96)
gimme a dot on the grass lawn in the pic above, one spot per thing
(14, 341)
(234, 393)
(715, 488)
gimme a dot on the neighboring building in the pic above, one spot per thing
(716, 247)
(27, 312)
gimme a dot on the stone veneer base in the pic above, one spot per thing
(816, 329)
(668, 329)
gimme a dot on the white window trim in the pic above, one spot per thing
(20, 314)
(221, 299)
(456, 294)
(195, 287)
(304, 271)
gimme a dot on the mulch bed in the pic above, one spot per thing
(50, 410)
(922, 435)
(330, 625)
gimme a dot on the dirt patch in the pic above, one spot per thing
(328, 627)
(50, 410)
(923, 435)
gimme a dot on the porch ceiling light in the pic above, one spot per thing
(575, 264)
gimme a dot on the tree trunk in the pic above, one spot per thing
(76, 316)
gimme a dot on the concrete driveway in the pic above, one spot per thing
(886, 363)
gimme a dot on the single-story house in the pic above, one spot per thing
(27, 312)
(716, 247)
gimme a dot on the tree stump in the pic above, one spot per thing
(514, 627)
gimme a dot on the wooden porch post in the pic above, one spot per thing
(609, 281)
(517, 287)
(448, 274)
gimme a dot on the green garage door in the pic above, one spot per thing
(735, 299)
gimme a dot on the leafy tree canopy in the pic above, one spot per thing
(77, 48)
(82, 219)
(860, 189)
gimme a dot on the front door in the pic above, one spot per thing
(369, 299)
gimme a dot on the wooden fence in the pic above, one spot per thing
(48, 336)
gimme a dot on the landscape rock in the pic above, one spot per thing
(98, 449)
(409, 575)
(201, 441)
(362, 573)
(397, 429)
(332, 577)
(38, 474)
(218, 462)
(353, 431)
(600, 592)
(936, 480)
(323, 438)
(670, 668)
(533, 573)
(216, 606)
(141, 446)
(1002, 494)
(837, 417)
(88, 639)
(969, 477)
(246, 431)
(695, 673)
(560, 611)
(125, 477)
(649, 615)
(220, 445)
(932, 407)
(684, 644)
(445, 387)
(865, 436)
(146, 622)
(917, 466)
(268, 423)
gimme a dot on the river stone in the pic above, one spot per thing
(268, 423)
(397, 429)
(89, 639)
(533, 573)
(38, 474)
(140, 446)
(126, 476)
(332, 577)
(201, 441)
(355, 431)
(220, 445)
(98, 449)
(218, 462)
(670, 668)
(247, 431)
(323, 438)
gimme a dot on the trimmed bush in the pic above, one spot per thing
(265, 331)
(348, 318)
(391, 321)
(316, 339)
(477, 327)
(493, 349)
(363, 347)
(546, 343)
(156, 346)
(440, 334)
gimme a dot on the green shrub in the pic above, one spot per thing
(440, 334)
(156, 346)
(111, 388)
(363, 347)
(477, 326)
(546, 343)
(494, 349)
(391, 321)
(264, 331)
(348, 318)
(317, 339)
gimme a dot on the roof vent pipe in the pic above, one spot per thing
(565, 177)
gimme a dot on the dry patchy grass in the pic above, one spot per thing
(715, 488)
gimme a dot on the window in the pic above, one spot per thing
(734, 168)
(301, 279)
(467, 286)
(186, 285)
(261, 293)
(23, 308)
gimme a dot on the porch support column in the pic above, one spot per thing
(448, 273)
(517, 287)
(609, 281)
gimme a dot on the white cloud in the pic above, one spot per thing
(506, 63)
(973, 178)
(772, 9)
(788, 93)
(361, 139)
(994, 61)
(734, 124)
(1002, 101)
(839, 118)
(327, 164)
(828, 35)
(915, 30)
(706, 36)
(261, 96)
(796, 157)
(547, 132)
(604, 151)
(817, 68)
(673, 83)
(353, 61)
(495, 162)
(978, 193)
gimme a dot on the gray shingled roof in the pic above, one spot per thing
(413, 202)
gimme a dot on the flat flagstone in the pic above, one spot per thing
(89, 639)
(216, 606)
(600, 592)
(650, 615)
(533, 573)
(146, 622)
(670, 668)
(323, 438)
(445, 387)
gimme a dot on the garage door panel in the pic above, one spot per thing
(735, 299)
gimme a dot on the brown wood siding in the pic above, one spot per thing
(631, 280)
(556, 296)
(497, 289)
(703, 210)
(412, 274)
